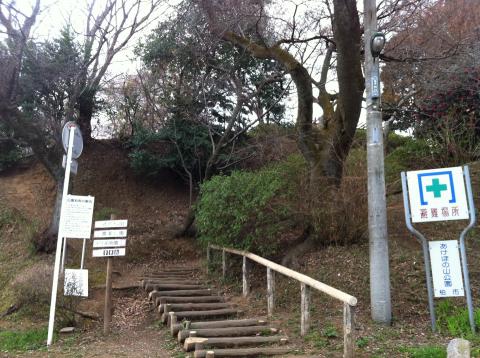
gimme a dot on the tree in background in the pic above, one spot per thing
(58, 80)
(206, 95)
(432, 78)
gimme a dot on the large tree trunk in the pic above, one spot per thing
(347, 34)
(86, 103)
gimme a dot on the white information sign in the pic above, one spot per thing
(446, 269)
(109, 252)
(76, 283)
(437, 195)
(110, 233)
(110, 243)
(77, 216)
(106, 224)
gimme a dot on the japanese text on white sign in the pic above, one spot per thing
(446, 270)
(77, 216)
(437, 195)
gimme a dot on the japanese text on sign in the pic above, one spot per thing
(446, 270)
(437, 195)
(77, 216)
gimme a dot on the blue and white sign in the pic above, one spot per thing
(437, 195)
(446, 270)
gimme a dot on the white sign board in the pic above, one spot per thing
(110, 233)
(446, 270)
(437, 195)
(109, 252)
(106, 224)
(77, 216)
(76, 283)
(110, 243)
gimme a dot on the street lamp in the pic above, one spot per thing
(377, 43)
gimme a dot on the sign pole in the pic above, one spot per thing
(51, 321)
(426, 251)
(83, 253)
(64, 254)
(463, 251)
(107, 313)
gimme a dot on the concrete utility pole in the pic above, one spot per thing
(377, 208)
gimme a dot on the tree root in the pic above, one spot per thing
(188, 228)
(12, 309)
(306, 242)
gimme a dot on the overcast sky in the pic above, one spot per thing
(57, 13)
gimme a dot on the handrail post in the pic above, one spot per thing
(270, 291)
(208, 258)
(224, 264)
(348, 332)
(305, 309)
(245, 284)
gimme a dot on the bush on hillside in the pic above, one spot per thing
(250, 210)
(179, 145)
(30, 286)
(254, 210)
(412, 154)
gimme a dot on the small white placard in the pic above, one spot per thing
(446, 269)
(437, 195)
(110, 233)
(109, 252)
(77, 216)
(110, 243)
(107, 224)
(76, 283)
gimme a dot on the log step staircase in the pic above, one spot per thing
(203, 321)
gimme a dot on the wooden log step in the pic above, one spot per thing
(171, 276)
(163, 273)
(201, 314)
(193, 306)
(174, 281)
(243, 352)
(192, 299)
(167, 287)
(190, 342)
(178, 268)
(226, 332)
(175, 328)
(199, 292)
(168, 275)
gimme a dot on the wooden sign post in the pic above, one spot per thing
(109, 248)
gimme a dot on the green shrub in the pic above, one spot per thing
(180, 144)
(249, 210)
(454, 320)
(410, 154)
(9, 157)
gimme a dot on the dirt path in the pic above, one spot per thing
(134, 334)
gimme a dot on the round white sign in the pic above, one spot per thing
(77, 139)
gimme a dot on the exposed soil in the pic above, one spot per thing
(155, 209)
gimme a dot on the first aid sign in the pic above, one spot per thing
(437, 195)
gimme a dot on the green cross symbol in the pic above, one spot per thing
(436, 188)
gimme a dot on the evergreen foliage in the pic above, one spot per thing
(249, 210)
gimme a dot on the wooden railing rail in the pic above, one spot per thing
(306, 284)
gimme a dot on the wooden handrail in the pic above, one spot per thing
(320, 286)
(349, 302)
